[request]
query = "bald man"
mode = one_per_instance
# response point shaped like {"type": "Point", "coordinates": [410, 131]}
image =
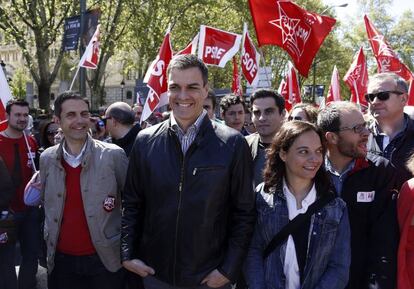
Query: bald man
{"type": "Point", "coordinates": [119, 122]}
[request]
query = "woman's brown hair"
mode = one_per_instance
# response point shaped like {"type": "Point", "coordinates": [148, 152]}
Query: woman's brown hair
{"type": "Point", "coordinates": [275, 169]}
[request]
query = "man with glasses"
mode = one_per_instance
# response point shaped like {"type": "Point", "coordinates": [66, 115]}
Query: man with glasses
{"type": "Point", "coordinates": [82, 180]}
{"type": "Point", "coordinates": [268, 113]}
{"type": "Point", "coordinates": [392, 131]}
{"type": "Point", "coordinates": [368, 185]}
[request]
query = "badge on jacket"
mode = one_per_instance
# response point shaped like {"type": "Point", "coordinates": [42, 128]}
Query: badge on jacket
{"type": "Point", "coordinates": [109, 203]}
{"type": "Point", "coordinates": [365, 197]}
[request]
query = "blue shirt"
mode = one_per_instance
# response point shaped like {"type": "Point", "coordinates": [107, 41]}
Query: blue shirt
{"type": "Point", "coordinates": [336, 177]}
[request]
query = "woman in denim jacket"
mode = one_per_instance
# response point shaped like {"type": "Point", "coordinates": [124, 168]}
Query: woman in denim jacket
{"type": "Point", "coordinates": [317, 254]}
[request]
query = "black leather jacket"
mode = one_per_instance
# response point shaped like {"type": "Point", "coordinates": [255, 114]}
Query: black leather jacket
{"type": "Point", "coordinates": [188, 215]}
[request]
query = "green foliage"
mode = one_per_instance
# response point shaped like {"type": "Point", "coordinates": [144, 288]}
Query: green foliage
{"type": "Point", "coordinates": [18, 83]}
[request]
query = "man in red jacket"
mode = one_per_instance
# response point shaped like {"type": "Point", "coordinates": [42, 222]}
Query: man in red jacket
{"type": "Point", "coordinates": [18, 152]}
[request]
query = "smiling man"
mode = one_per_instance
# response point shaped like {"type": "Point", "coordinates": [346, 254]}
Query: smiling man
{"type": "Point", "coordinates": [268, 110]}
{"type": "Point", "coordinates": [368, 185]}
{"type": "Point", "coordinates": [82, 180]}
{"type": "Point", "coordinates": [188, 200]}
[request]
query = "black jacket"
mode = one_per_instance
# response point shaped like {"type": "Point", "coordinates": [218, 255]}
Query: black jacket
{"type": "Point", "coordinates": [374, 226]}
{"type": "Point", "coordinates": [7, 188]}
{"type": "Point", "coordinates": [189, 215]}
{"type": "Point", "coordinates": [127, 142]}
{"type": "Point", "coordinates": [401, 153]}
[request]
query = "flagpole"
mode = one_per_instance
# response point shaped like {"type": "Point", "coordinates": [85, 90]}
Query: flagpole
{"type": "Point", "coordinates": [264, 64]}
{"type": "Point", "coordinates": [74, 78]}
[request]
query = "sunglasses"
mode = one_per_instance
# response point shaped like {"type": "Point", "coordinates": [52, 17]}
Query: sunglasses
{"type": "Point", "coordinates": [383, 95]}
{"type": "Point", "coordinates": [52, 132]}
{"type": "Point", "coordinates": [295, 118]}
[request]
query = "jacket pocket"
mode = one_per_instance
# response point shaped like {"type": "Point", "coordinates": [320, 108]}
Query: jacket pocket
{"type": "Point", "coordinates": [198, 170]}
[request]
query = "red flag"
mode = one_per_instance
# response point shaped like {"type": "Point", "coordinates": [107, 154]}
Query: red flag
{"type": "Point", "coordinates": [357, 78]}
{"type": "Point", "coordinates": [285, 24]}
{"type": "Point", "coordinates": [216, 46]}
{"type": "Point", "coordinates": [156, 79]}
{"type": "Point", "coordinates": [289, 88]}
{"type": "Point", "coordinates": [5, 96]}
{"type": "Point", "coordinates": [236, 87]}
{"type": "Point", "coordinates": [387, 60]}
{"type": "Point", "coordinates": [190, 48]}
{"type": "Point", "coordinates": [91, 55]}
{"type": "Point", "coordinates": [334, 93]}
{"type": "Point", "coordinates": [250, 59]}
{"type": "Point", "coordinates": [411, 93]}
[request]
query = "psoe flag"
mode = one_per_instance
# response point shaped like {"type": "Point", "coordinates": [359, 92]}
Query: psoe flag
{"type": "Point", "coordinates": [250, 59]}
{"type": "Point", "coordinates": [91, 55]}
{"type": "Point", "coordinates": [5, 96]}
{"type": "Point", "coordinates": [216, 46]}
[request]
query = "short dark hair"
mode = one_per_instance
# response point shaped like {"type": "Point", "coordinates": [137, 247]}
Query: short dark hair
{"type": "Point", "coordinates": [186, 61]}
{"type": "Point", "coordinates": [212, 96]}
{"type": "Point", "coordinates": [66, 96]}
{"type": "Point", "coordinates": [266, 92]}
{"type": "Point", "coordinates": [12, 102]}
{"type": "Point", "coordinates": [229, 100]}
{"type": "Point", "coordinates": [122, 116]}
{"type": "Point", "coordinates": [329, 118]}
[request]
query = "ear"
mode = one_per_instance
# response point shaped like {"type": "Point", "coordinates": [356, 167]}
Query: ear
{"type": "Point", "coordinates": [331, 138]}
{"type": "Point", "coordinates": [404, 98]}
{"type": "Point", "coordinates": [56, 119]}
{"type": "Point", "coordinates": [282, 155]}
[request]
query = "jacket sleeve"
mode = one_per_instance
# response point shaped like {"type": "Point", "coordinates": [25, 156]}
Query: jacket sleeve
{"type": "Point", "coordinates": [132, 207]}
{"type": "Point", "coordinates": [6, 187]}
{"type": "Point", "coordinates": [121, 166]}
{"type": "Point", "coordinates": [337, 272]}
{"type": "Point", "coordinates": [384, 233]}
{"type": "Point", "coordinates": [254, 264]}
{"type": "Point", "coordinates": [242, 213]}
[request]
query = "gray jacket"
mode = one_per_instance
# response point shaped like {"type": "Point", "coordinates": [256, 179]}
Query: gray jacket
{"type": "Point", "coordinates": [104, 167]}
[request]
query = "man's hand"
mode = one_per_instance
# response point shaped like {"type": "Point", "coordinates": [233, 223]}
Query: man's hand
{"type": "Point", "coordinates": [215, 279]}
{"type": "Point", "coordinates": [138, 267]}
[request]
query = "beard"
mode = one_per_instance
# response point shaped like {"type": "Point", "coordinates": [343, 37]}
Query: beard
{"type": "Point", "coordinates": [350, 149]}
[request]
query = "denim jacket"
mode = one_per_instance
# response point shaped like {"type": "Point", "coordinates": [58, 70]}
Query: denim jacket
{"type": "Point", "coordinates": [328, 257]}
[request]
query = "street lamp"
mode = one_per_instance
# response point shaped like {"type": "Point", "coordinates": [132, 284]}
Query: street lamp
{"type": "Point", "coordinates": [122, 89]}
{"type": "Point", "coordinates": [334, 6]}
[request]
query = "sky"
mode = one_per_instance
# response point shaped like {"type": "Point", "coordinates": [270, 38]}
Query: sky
{"type": "Point", "coordinates": [346, 13]}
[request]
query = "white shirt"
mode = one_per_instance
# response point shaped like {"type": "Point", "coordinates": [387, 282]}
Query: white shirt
{"type": "Point", "coordinates": [73, 161]}
{"type": "Point", "coordinates": [291, 267]}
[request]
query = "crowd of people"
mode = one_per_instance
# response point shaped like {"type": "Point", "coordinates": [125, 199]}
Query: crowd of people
{"type": "Point", "coordinates": [256, 197]}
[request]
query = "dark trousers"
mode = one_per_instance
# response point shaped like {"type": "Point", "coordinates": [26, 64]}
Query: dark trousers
{"type": "Point", "coordinates": [8, 278]}
{"type": "Point", "coordinates": [28, 236]}
{"type": "Point", "coordinates": [83, 272]}
{"type": "Point", "coordinates": [151, 282]}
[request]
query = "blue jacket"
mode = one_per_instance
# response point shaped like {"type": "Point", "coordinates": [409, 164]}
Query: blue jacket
{"type": "Point", "coordinates": [328, 259]}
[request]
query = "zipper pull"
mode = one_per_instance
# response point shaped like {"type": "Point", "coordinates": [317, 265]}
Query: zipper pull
{"type": "Point", "coordinates": [180, 186]}
{"type": "Point", "coordinates": [194, 171]}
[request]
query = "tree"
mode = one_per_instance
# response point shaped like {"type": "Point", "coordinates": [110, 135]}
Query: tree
{"type": "Point", "coordinates": [18, 83]}
{"type": "Point", "coordinates": [35, 26]}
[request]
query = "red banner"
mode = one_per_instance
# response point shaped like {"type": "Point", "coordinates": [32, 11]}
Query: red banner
{"type": "Point", "coordinates": [250, 59]}
{"type": "Point", "coordinates": [334, 93]}
{"type": "Point", "coordinates": [285, 24]}
{"type": "Point", "coordinates": [216, 46]}
{"type": "Point", "coordinates": [236, 86]}
{"type": "Point", "coordinates": [357, 78]}
{"type": "Point", "coordinates": [91, 55]}
{"type": "Point", "coordinates": [190, 48]}
{"type": "Point", "coordinates": [156, 79]}
{"type": "Point", "coordinates": [289, 88]}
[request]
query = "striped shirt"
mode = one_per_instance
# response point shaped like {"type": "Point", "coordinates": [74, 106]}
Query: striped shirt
{"type": "Point", "coordinates": [187, 138]}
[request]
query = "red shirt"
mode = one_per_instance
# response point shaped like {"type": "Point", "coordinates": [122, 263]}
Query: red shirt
{"type": "Point", "coordinates": [74, 237]}
{"type": "Point", "coordinates": [7, 153]}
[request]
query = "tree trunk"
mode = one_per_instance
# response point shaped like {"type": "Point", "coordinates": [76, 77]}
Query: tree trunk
{"type": "Point", "coordinates": [44, 95]}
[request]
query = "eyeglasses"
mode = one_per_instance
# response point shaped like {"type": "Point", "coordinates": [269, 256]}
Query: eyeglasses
{"type": "Point", "coordinates": [105, 119]}
{"type": "Point", "coordinates": [383, 95]}
{"type": "Point", "coordinates": [358, 129]}
{"type": "Point", "coordinates": [295, 118]}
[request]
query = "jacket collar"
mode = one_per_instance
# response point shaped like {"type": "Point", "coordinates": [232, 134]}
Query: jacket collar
{"type": "Point", "coordinates": [86, 155]}
{"type": "Point", "coordinates": [130, 136]}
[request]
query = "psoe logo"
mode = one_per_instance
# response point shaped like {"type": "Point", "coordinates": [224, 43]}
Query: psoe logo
{"type": "Point", "coordinates": [295, 32]}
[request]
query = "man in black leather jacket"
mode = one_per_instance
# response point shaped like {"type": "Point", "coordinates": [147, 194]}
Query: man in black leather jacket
{"type": "Point", "coordinates": [188, 200]}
